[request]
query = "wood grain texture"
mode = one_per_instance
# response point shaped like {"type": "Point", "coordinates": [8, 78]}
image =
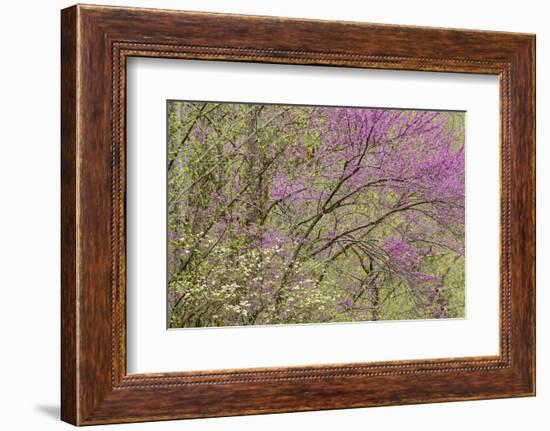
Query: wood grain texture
{"type": "Point", "coordinates": [69, 397]}
{"type": "Point", "coordinates": [96, 41]}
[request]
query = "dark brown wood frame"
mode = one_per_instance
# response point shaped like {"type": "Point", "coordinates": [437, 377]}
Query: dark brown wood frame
{"type": "Point", "coordinates": [95, 43]}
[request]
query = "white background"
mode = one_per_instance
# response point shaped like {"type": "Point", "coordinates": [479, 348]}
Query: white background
{"type": "Point", "coordinates": [151, 348]}
{"type": "Point", "coordinates": [29, 228]}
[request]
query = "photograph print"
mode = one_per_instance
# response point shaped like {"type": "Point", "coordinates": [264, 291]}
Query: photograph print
{"type": "Point", "coordinates": [291, 214]}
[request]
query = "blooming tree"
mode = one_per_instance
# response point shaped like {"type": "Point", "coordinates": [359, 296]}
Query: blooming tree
{"type": "Point", "coordinates": [291, 214]}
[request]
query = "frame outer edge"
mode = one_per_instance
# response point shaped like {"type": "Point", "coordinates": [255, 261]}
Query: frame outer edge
{"type": "Point", "coordinates": [523, 216]}
{"type": "Point", "coordinates": [69, 213]}
{"type": "Point", "coordinates": [532, 82]}
{"type": "Point", "coordinates": [533, 53]}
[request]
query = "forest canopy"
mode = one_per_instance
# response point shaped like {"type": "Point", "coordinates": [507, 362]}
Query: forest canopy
{"type": "Point", "coordinates": [283, 214]}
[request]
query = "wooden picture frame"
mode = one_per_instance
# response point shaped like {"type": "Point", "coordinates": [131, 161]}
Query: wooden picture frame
{"type": "Point", "coordinates": [95, 43]}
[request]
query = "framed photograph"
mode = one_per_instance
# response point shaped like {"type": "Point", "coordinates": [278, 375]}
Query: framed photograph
{"type": "Point", "coordinates": [265, 215]}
